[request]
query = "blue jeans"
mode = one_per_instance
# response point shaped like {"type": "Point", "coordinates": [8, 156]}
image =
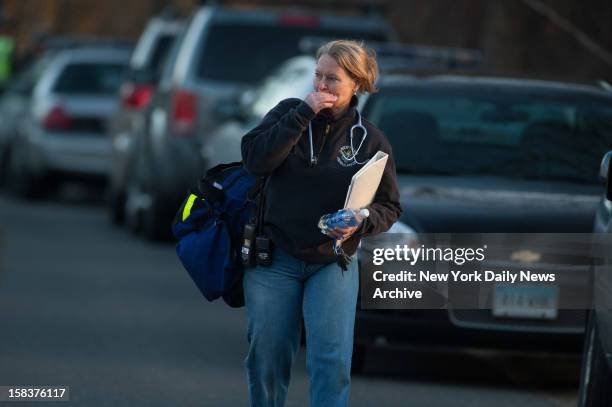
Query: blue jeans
{"type": "Point", "coordinates": [277, 297]}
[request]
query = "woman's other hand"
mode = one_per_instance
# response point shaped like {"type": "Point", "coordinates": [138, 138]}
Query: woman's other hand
{"type": "Point", "coordinates": [342, 234]}
{"type": "Point", "coordinates": [320, 100]}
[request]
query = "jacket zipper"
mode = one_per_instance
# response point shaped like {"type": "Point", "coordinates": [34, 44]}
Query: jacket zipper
{"type": "Point", "coordinates": [327, 127]}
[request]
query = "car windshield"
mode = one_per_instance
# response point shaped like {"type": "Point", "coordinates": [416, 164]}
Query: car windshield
{"type": "Point", "coordinates": [90, 78]}
{"type": "Point", "coordinates": [513, 133]}
{"type": "Point", "coordinates": [257, 49]}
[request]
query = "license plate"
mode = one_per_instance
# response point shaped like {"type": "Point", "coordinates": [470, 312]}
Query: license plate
{"type": "Point", "coordinates": [515, 301]}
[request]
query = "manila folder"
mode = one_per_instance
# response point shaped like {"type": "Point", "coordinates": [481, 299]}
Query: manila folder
{"type": "Point", "coordinates": [365, 182]}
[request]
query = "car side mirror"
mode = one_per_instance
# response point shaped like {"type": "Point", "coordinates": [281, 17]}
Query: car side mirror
{"type": "Point", "coordinates": [604, 174]}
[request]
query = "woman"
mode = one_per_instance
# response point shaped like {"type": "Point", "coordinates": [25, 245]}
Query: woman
{"type": "Point", "coordinates": [308, 179]}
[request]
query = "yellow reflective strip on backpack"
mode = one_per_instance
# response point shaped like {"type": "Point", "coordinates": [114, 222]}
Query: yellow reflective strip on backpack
{"type": "Point", "coordinates": [189, 205]}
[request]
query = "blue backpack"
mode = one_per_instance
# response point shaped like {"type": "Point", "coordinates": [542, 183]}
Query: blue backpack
{"type": "Point", "coordinates": [209, 226]}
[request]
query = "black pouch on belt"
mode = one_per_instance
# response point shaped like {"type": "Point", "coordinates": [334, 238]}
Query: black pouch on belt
{"type": "Point", "coordinates": [247, 251]}
{"type": "Point", "coordinates": [253, 228]}
{"type": "Point", "coordinates": [264, 251]}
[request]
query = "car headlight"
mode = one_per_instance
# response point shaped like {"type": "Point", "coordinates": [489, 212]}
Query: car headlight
{"type": "Point", "coordinates": [401, 227]}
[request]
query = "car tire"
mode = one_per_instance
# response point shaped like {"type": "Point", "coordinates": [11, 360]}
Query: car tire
{"type": "Point", "coordinates": [132, 211]}
{"type": "Point", "coordinates": [21, 182]}
{"type": "Point", "coordinates": [358, 362]}
{"type": "Point", "coordinates": [4, 167]}
{"type": "Point", "coordinates": [116, 207]}
{"type": "Point", "coordinates": [596, 375]}
{"type": "Point", "coordinates": [156, 219]}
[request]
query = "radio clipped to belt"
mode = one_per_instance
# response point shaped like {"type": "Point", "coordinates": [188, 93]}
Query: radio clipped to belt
{"type": "Point", "coordinates": [256, 247]}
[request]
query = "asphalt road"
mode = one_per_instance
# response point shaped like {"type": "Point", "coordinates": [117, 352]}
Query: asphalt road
{"type": "Point", "coordinates": [87, 305]}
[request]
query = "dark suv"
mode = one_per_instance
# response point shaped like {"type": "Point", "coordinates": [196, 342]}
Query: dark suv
{"type": "Point", "coordinates": [491, 155]}
{"type": "Point", "coordinates": [597, 357]}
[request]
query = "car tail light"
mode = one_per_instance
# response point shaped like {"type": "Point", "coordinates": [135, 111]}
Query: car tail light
{"type": "Point", "coordinates": [136, 96]}
{"type": "Point", "coordinates": [298, 20]}
{"type": "Point", "coordinates": [57, 120]}
{"type": "Point", "coordinates": [184, 112]}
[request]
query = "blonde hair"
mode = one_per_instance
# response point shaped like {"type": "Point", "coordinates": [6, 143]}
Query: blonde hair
{"type": "Point", "coordinates": [356, 59]}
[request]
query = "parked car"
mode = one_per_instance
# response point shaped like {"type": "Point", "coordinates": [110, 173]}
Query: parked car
{"type": "Point", "coordinates": [15, 101]}
{"type": "Point", "coordinates": [14, 107]}
{"type": "Point", "coordinates": [135, 94]}
{"type": "Point", "coordinates": [293, 79]}
{"type": "Point", "coordinates": [63, 134]}
{"type": "Point", "coordinates": [485, 155]}
{"type": "Point", "coordinates": [222, 54]}
{"type": "Point", "coordinates": [596, 375]}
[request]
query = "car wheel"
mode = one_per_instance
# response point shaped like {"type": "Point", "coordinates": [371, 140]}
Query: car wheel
{"type": "Point", "coordinates": [358, 362]}
{"type": "Point", "coordinates": [596, 375]}
{"type": "Point", "coordinates": [4, 167]}
{"type": "Point", "coordinates": [116, 207]}
{"type": "Point", "coordinates": [132, 209]}
{"type": "Point", "coordinates": [21, 182]}
{"type": "Point", "coordinates": [156, 219]}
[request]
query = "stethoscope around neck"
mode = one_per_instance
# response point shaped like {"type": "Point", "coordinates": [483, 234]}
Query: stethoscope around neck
{"type": "Point", "coordinates": [358, 126]}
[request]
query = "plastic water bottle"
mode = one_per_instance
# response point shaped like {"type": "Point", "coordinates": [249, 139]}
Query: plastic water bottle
{"type": "Point", "coordinates": [344, 218]}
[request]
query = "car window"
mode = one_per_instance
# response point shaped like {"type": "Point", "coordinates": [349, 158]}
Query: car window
{"type": "Point", "coordinates": [287, 82]}
{"type": "Point", "coordinates": [516, 134]}
{"type": "Point", "coordinates": [168, 63]}
{"type": "Point", "coordinates": [257, 49]}
{"type": "Point", "coordinates": [90, 78]}
{"type": "Point", "coordinates": [160, 52]}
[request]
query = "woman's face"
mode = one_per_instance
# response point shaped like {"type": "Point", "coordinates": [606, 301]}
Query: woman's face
{"type": "Point", "coordinates": [332, 78]}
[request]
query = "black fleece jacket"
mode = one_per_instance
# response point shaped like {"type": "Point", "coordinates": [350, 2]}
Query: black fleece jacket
{"type": "Point", "coordinates": [297, 194]}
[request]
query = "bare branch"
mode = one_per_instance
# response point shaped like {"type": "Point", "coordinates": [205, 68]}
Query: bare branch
{"type": "Point", "coordinates": [574, 31]}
